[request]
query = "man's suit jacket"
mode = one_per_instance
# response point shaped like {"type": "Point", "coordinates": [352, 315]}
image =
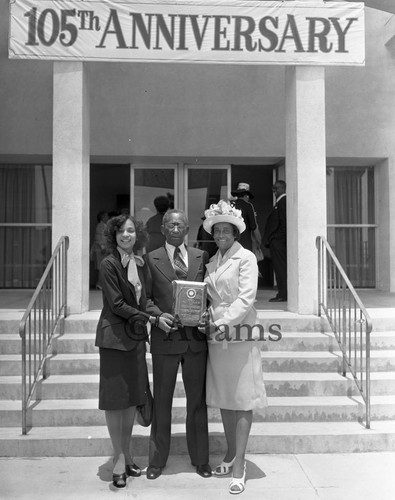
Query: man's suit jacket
{"type": "Point", "coordinates": [248, 214]}
{"type": "Point", "coordinates": [119, 304]}
{"type": "Point", "coordinates": [160, 300]}
{"type": "Point", "coordinates": [232, 291]}
{"type": "Point", "coordinates": [276, 223]}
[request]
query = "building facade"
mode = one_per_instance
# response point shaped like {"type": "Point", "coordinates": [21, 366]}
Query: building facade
{"type": "Point", "coordinates": [78, 137]}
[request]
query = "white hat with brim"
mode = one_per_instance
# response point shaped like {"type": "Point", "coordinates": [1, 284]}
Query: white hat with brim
{"type": "Point", "coordinates": [223, 212]}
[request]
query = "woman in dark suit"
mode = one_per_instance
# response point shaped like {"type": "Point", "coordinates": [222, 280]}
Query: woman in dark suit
{"type": "Point", "coordinates": [120, 336]}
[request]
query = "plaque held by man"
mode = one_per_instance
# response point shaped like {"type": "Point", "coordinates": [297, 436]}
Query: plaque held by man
{"type": "Point", "coordinates": [189, 302]}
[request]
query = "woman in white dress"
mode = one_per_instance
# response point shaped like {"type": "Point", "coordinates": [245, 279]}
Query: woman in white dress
{"type": "Point", "coordinates": [234, 368]}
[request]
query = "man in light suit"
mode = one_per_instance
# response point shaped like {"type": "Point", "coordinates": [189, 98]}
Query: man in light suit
{"type": "Point", "coordinates": [275, 238]}
{"type": "Point", "coordinates": [174, 346]}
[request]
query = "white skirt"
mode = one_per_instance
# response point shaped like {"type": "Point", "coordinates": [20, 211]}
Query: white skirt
{"type": "Point", "coordinates": [234, 376]}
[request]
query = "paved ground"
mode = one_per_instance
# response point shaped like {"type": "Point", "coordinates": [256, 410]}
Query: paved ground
{"type": "Point", "coordinates": [358, 476]}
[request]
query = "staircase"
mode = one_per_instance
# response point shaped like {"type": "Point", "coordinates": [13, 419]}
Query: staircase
{"type": "Point", "coordinates": [312, 408]}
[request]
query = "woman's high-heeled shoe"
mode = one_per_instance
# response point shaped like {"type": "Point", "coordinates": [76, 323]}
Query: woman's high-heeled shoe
{"type": "Point", "coordinates": [237, 485]}
{"type": "Point", "coordinates": [133, 470]}
{"type": "Point", "coordinates": [224, 468]}
{"type": "Point", "coordinates": [119, 480]}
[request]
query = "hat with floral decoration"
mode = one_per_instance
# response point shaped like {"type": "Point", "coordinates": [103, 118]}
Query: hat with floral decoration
{"type": "Point", "coordinates": [223, 212]}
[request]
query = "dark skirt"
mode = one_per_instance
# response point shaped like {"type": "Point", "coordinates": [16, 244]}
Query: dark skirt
{"type": "Point", "coordinates": [123, 378]}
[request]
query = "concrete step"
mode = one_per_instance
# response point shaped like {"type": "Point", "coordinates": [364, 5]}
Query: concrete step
{"type": "Point", "coordinates": [78, 412]}
{"type": "Point", "coordinates": [278, 384]}
{"type": "Point", "coordinates": [84, 342]}
{"type": "Point", "coordinates": [265, 437]}
{"type": "Point", "coordinates": [77, 342]}
{"type": "Point", "coordinates": [320, 361]}
{"type": "Point", "coordinates": [383, 320]}
{"type": "Point", "coordinates": [290, 341]}
{"type": "Point", "coordinates": [287, 321]}
{"type": "Point", "coordinates": [276, 361]}
{"type": "Point", "coordinates": [9, 321]}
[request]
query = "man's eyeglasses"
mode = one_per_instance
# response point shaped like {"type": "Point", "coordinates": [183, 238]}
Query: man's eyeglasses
{"type": "Point", "coordinates": [172, 226]}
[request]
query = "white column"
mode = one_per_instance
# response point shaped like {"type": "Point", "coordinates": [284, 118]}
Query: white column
{"type": "Point", "coordinates": [306, 182]}
{"type": "Point", "coordinates": [385, 235]}
{"type": "Point", "coordinates": [70, 213]}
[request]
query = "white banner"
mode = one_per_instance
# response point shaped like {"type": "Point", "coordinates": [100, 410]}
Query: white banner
{"type": "Point", "coordinates": [229, 32]}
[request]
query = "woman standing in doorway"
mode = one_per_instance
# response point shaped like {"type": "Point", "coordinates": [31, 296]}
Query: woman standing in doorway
{"type": "Point", "coordinates": [234, 368]}
{"type": "Point", "coordinates": [98, 250]}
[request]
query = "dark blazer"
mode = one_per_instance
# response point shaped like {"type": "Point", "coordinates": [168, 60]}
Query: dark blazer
{"type": "Point", "coordinates": [120, 305]}
{"type": "Point", "coordinates": [248, 214]}
{"type": "Point", "coordinates": [276, 223]}
{"type": "Point", "coordinates": [160, 299]}
{"type": "Point", "coordinates": [156, 238]}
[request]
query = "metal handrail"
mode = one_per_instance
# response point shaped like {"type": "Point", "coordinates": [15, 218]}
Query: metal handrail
{"type": "Point", "coordinates": [349, 320]}
{"type": "Point", "coordinates": [47, 308]}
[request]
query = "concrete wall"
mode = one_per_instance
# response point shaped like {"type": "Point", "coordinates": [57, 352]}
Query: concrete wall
{"type": "Point", "coordinates": [200, 110]}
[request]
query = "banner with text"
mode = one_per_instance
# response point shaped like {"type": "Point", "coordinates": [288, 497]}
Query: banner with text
{"type": "Point", "coordinates": [228, 32]}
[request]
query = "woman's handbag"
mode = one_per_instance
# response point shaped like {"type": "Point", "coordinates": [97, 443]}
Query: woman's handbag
{"type": "Point", "coordinates": [145, 411]}
{"type": "Point", "coordinates": [256, 244]}
{"type": "Point", "coordinates": [258, 254]}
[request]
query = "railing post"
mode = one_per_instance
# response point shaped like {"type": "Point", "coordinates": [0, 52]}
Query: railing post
{"type": "Point", "coordinates": [344, 328]}
{"type": "Point", "coordinates": [320, 274]}
{"type": "Point", "coordinates": [22, 332]}
{"type": "Point", "coordinates": [367, 368]}
{"type": "Point", "coordinates": [45, 328]}
{"type": "Point", "coordinates": [64, 291]}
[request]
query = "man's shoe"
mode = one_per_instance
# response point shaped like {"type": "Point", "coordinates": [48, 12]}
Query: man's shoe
{"type": "Point", "coordinates": [277, 299]}
{"type": "Point", "coordinates": [153, 472]}
{"type": "Point", "coordinates": [204, 470]}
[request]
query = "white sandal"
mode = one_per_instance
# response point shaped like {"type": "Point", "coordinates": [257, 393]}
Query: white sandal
{"type": "Point", "coordinates": [238, 482]}
{"type": "Point", "coordinates": [223, 468]}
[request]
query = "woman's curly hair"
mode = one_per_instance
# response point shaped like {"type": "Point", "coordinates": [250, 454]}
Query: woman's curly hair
{"type": "Point", "coordinates": [115, 224]}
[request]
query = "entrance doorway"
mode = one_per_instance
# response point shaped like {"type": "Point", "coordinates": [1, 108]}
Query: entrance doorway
{"type": "Point", "coordinates": [109, 192]}
{"type": "Point", "coordinates": [189, 187]}
{"type": "Point", "coordinates": [261, 179]}
{"type": "Point", "coordinates": [116, 188]}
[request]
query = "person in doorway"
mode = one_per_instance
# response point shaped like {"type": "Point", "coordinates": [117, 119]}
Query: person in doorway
{"type": "Point", "coordinates": [244, 195]}
{"type": "Point", "coordinates": [234, 369]}
{"type": "Point", "coordinates": [98, 249]}
{"type": "Point", "coordinates": [175, 346]}
{"type": "Point", "coordinates": [120, 335]}
{"type": "Point", "coordinates": [154, 224]}
{"type": "Point", "coordinates": [275, 239]}
{"type": "Point", "coordinates": [205, 241]}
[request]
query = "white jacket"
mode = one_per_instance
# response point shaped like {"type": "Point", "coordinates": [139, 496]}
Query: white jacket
{"type": "Point", "coordinates": [232, 291]}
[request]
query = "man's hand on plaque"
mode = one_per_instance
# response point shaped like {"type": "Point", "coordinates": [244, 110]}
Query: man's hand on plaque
{"type": "Point", "coordinates": [166, 323]}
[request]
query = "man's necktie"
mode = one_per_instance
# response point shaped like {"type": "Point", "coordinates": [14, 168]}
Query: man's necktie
{"type": "Point", "coordinates": [133, 276]}
{"type": "Point", "coordinates": [179, 265]}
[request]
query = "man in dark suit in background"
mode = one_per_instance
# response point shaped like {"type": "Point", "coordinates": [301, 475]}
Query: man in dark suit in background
{"type": "Point", "coordinates": [242, 203]}
{"type": "Point", "coordinates": [154, 224]}
{"type": "Point", "coordinates": [275, 238]}
{"type": "Point", "coordinates": [174, 346]}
